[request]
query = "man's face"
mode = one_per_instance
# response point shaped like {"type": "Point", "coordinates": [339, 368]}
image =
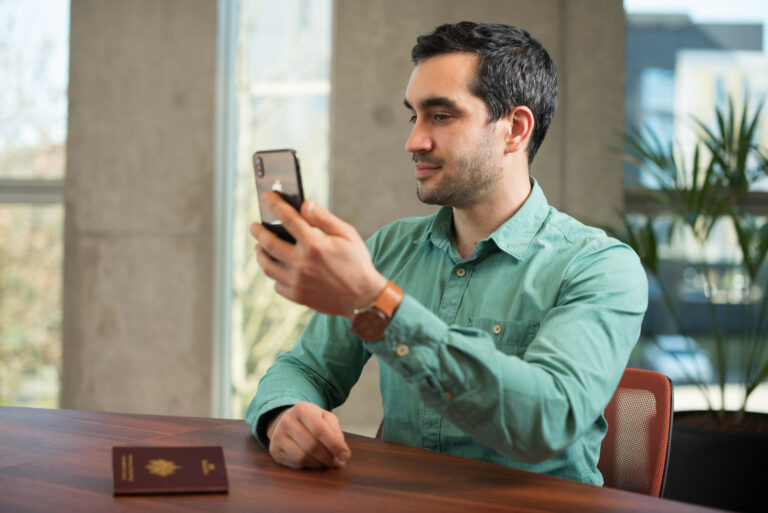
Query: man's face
{"type": "Point", "coordinates": [457, 155]}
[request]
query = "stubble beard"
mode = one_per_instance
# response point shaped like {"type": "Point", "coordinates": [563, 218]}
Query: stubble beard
{"type": "Point", "coordinates": [474, 176]}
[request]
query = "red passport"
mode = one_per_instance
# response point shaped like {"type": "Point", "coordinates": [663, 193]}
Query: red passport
{"type": "Point", "coordinates": [149, 470]}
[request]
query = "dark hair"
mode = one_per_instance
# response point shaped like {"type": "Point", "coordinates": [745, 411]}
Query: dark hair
{"type": "Point", "coordinates": [514, 69]}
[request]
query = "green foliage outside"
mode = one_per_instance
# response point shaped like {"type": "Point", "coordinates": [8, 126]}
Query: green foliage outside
{"type": "Point", "coordinates": [33, 120]}
{"type": "Point", "coordinates": [30, 304]}
{"type": "Point", "coordinates": [698, 191]}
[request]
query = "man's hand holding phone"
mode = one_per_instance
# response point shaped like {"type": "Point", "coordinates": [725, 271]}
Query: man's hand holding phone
{"type": "Point", "coordinates": [328, 269]}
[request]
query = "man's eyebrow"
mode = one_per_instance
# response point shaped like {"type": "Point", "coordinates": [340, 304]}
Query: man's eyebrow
{"type": "Point", "coordinates": [434, 101]}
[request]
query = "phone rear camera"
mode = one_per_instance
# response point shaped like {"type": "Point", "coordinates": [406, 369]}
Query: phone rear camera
{"type": "Point", "coordinates": [258, 167]}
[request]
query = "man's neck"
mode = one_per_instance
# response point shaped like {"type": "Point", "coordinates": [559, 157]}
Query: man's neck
{"type": "Point", "coordinates": [473, 223]}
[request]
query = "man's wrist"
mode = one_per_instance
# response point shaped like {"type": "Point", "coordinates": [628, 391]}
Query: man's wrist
{"type": "Point", "coordinates": [271, 418]}
{"type": "Point", "coordinates": [370, 323]}
{"type": "Point", "coordinates": [369, 295]}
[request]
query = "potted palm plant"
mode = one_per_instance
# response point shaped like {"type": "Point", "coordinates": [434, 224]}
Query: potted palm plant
{"type": "Point", "coordinates": [718, 457]}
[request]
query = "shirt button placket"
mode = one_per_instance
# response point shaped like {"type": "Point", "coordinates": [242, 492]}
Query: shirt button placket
{"type": "Point", "coordinates": [454, 289]}
{"type": "Point", "coordinates": [431, 422]}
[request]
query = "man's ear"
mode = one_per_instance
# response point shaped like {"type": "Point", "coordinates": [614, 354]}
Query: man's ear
{"type": "Point", "coordinates": [520, 123]}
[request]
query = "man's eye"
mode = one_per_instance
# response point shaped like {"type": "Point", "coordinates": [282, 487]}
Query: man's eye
{"type": "Point", "coordinates": [412, 120]}
{"type": "Point", "coordinates": [441, 118]}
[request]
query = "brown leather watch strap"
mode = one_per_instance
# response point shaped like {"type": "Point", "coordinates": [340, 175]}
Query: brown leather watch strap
{"type": "Point", "coordinates": [389, 299]}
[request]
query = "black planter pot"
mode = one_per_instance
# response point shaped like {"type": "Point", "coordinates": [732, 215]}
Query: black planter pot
{"type": "Point", "coordinates": [723, 469]}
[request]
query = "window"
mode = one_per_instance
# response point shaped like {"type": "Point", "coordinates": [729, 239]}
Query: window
{"type": "Point", "coordinates": [684, 59]}
{"type": "Point", "coordinates": [34, 58]}
{"type": "Point", "coordinates": [283, 87]}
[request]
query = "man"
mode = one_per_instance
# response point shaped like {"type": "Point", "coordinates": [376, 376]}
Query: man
{"type": "Point", "coordinates": [502, 325]}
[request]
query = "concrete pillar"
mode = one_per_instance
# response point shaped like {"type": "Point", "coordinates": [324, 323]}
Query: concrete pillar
{"type": "Point", "coordinates": [591, 114]}
{"type": "Point", "coordinates": [137, 280]}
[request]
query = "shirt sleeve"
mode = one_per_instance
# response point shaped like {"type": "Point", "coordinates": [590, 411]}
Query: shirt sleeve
{"type": "Point", "coordinates": [530, 407]}
{"type": "Point", "coordinates": [322, 367]}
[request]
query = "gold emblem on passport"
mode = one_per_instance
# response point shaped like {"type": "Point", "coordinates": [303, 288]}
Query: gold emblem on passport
{"type": "Point", "coordinates": [208, 467]}
{"type": "Point", "coordinates": [161, 467]}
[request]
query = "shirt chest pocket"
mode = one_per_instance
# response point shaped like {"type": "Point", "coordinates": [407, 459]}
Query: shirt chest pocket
{"type": "Point", "coordinates": [511, 337]}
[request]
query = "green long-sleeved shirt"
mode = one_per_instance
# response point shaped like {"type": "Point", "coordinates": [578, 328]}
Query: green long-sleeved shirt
{"type": "Point", "coordinates": [508, 356]}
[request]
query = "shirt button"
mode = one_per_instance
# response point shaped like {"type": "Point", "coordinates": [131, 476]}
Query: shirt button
{"type": "Point", "coordinates": [448, 395]}
{"type": "Point", "coordinates": [402, 350]}
{"type": "Point", "coordinates": [461, 272]}
{"type": "Point", "coordinates": [497, 328]}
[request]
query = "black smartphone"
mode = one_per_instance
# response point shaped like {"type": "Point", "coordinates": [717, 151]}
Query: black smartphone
{"type": "Point", "coordinates": [278, 170]}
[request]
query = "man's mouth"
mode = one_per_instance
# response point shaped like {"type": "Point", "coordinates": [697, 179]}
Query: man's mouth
{"type": "Point", "coordinates": [424, 166]}
{"type": "Point", "coordinates": [424, 170]}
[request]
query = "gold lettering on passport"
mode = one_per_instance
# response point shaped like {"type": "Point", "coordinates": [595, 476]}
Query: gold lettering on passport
{"type": "Point", "coordinates": [124, 467]}
{"type": "Point", "coordinates": [161, 467]}
{"type": "Point", "coordinates": [207, 466]}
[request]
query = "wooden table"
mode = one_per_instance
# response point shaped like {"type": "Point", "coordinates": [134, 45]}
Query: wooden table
{"type": "Point", "coordinates": [59, 460]}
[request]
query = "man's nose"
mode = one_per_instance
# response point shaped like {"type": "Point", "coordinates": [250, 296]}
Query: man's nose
{"type": "Point", "coordinates": [420, 139]}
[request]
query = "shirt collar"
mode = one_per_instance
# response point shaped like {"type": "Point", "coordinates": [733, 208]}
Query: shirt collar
{"type": "Point", "coordinates": [513, 237]}
{"type": "Point", "coordinates": [440, 232]}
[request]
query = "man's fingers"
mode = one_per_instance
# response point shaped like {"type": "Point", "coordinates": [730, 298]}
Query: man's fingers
{"type": "Point", "coordinates": [305, 435]}
{"type": "Point", "coordinates": [275, 247]}
{"type": "Point", "coordinates": [325, 428]}
{"type": "Point", "coordinates": [344, 452]}
{"type": "Point", "coordinates": [286, 292]}
{"type": "Point", "coordinates": [333, 422]}
{"type": "Point", "coordinates": [289, 454]}
{"type": "Point", "coordinates": [323, 219]}
{"type": "Point", "coordinates": [312, 446]}
{"type": "Point", "coordinates": [292, 220]}
{"type": "Point", "coordinates": [272, 267]}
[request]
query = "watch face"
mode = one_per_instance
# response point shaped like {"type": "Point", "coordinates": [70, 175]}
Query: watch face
{"type": "Point", "coordinates": [370, 324]}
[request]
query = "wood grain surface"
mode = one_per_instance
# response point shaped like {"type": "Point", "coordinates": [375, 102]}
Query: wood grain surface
{"type": "Point", "coordinates": [60, 460]}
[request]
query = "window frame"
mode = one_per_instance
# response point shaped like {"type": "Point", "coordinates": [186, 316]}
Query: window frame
{"type": "Point", "coordinates": [31, 191]}
{"type": "Point", "coordinates": [225, 155]}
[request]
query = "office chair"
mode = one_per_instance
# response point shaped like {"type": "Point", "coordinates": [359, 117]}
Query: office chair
{"type": "Point", "coordinates": [635, 450]}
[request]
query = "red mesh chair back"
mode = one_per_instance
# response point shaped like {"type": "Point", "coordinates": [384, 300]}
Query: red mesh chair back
{"type": "Point", "coordinates": [634, 452]}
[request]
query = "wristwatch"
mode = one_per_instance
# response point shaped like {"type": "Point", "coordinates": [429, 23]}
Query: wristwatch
{"type": "Point", "coordinates": [369, 323]}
